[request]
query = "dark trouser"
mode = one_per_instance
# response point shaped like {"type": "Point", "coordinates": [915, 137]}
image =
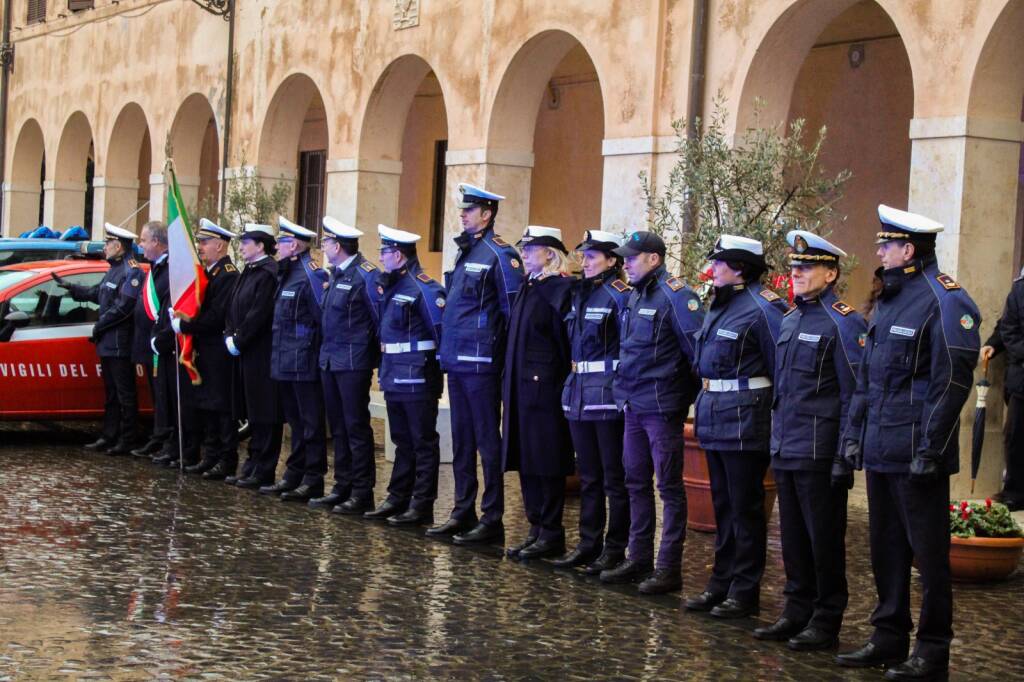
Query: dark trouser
{"type": "Point", "coordinates": [737, 493]}
{"type": "Point", "coordinates": [177, 403]}
{"type": "Point", "coordinates": [1013, 482]}
{"type": "Point", "coordinates": [303, 405]}
{"type": "Point", "coordinates": [120, 405]}
{"type": "Point", "coordinates": [475, 401]}
{"type": "Point", "coordinates": [161, 427]}
{"type": "Point", "coordinates": [598, 447]}
{"type": "Point", "coordinates": [413, 425]}
{"type": "Point", "coordinates": [220, 437]}
{"type": "Point", "coordinates": [653, 444]}
{"type": "Point", "coordinates": [907, 520]}
{"type": "Point", "coordinates": [812, 516]}
{"type": "Point", "coordinates": [263, 452]}
{"type": "Point", "coordinates": [347, 403]}
{"type": "Point", "coordinates": [543, 502]}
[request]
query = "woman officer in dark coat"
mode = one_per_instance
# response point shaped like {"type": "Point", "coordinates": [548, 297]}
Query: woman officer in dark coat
{"type": "Point", "coordinates": [536, 440]}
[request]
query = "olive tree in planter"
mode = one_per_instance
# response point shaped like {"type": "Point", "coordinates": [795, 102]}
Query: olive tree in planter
{"type": "Point", "coordinates": [766, 183]}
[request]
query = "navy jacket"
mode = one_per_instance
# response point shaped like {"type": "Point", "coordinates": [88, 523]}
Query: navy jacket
{"type": "Point", "coordinates": [142, 351]}
{"type": "Point", "coordinates": [657, 351]}
{"type": "Point", "coordinates": [481, 288]}
{"type": "Point", "coordinates": [297, 313]}
{"type": "Point", "coordinates": [349, 321]}
{"type": "Point", "coordinates": [410, 308]}
{"type": "Point", "coordinates": [1008, 337]}
{"type": "Point", "coordinates": [917, 372]}
{"type": "Point", "coordinates": [593, 322]}
{"type": "Point", "coordinates": [816, 365]}
{"type": "Point", "coordinates": [737, 342]}
{"type": "Point", "coordinates": [116, 295]}
{"type": "Point", "coordinates": [214, 363]}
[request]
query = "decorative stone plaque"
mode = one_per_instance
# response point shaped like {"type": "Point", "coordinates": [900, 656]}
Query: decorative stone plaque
{"type": "Point", "coordinates": [407, 14]}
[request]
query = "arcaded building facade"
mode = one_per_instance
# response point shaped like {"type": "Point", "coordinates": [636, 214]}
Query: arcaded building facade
{"type": "Point", "coordinates": [374, 110]}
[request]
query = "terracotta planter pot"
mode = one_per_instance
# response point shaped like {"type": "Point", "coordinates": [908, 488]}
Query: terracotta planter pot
{"type": "Point", "coordinates": [700, 513]}
{"type": "Point", "coordinates": [978, 560]}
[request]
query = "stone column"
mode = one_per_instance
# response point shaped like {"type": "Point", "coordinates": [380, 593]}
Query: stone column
{"type": "Point", "coordinates": [268, 177]}
{"type": "Point", "coordinates": [114, 201]}
{"type": "Point", "coordinates": [964, 174]}
{"type": "Point", "coordinates": [21, 208]}
{"type": "Point", "coordinates": [64, 206]}
{"type": "Point", "coordinates": [364, 193]}
{"type": "Point", "coordinates": [623, 208]}
{"type": "Point", "coordinates": [157, 209]}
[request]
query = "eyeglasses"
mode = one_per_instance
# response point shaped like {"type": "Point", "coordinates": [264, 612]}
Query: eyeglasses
{"type": "Point", "coordinates": [387, 250]}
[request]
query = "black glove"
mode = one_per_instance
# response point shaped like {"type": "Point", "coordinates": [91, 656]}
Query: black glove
{"type": "Point", "coordinates": [852, 455]}
{"type": "Point", "coordinates": [925, 466]}
{"type": "Point", "coordinates": [59, 280]}
{"type": "Point", "coordinates": [842, 474]}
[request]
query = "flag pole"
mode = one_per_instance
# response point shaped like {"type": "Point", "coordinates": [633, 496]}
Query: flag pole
{"type": "Point", "coordinates": [177, 387]}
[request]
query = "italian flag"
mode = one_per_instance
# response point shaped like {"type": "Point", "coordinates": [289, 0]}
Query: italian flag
{"type": "Point", "coordinates": [186, 275]}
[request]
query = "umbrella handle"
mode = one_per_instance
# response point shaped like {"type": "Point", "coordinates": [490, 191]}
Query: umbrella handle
{"type": "Point", "coordinates": [984, 366]}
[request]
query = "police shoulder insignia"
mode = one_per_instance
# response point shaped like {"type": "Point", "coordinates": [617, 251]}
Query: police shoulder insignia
{"type": "Point", "coordinates": [439, 301]}
{"type": "Point", "coordinates": [515, 263]}
{"type": "Point", "coordinates": [313, 265]}
{"type": "Point", "coordinates": [620, 286]}
{"type": "Point", "coordinates": [368, 266]}
{"type": "Point", "coordinates": [135, 281]}
{"type": "Point", "coordinates": [862, 339]}
{"type": "Point", "coordinates": [769, 295]}
{"type": "Point", "coordinates": [842, 307]}
{"type": "Point", "coordinates": [674, 283]}
{"type": "Point", "coordinates": [947, 282]}
{"type": "Point", "coordinates": [692, 304]}
{"type": "Point", "coordinates": [132, 263]}
{"type": "Point", "coordinates": [228, 267]}
{"type": "Point", "coordinates": [424, 277]}
{"type": "Point", "coordinates": [498, 241]}
{"type": "Point", "coordinates": [967, 322]}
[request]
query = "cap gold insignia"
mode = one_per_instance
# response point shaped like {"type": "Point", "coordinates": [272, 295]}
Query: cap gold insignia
{"type": "Point", "coordinates": [800, 244]}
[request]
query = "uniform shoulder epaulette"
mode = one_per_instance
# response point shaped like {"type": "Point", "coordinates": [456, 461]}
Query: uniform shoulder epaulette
{"type": "Point", "coordinates": [132, 263]}
{"type": "Point", "coordinates": [368, 266]}
{"type": "Point", "coordinates": [424, 277]}
{"type": "Point", "coordinates": [498, 241]}
{"type": "Point", "coordinates": [620, 286]}
{"type": "Point", "coordinates": [947, 282]}
{"type": "Point", "coordinates": [228, 267]}
{"type": "Point", "coordinates": [313, 265]}
{"type": "Point", "coordinates": [674, 283]}
{"type": "Point", "coordinates": [769, 295]}
{"type": "Point", "coordinates": [842, 307]}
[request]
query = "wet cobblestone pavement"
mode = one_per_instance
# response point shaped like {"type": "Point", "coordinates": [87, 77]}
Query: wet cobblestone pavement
{"type": "Point", "coordinates": [113, 568]}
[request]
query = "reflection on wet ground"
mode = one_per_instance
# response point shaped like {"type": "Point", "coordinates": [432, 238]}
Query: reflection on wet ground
{"type": "Point", "coordinates": [112, 568]}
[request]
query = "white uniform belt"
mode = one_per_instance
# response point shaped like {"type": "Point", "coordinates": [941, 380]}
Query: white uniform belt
{"type": "Point", "coordinates": [593, 366]}
{"type": "Point", "coordinates": [741, 384]}
{"type": "Point", "coordinates": [390, 348]}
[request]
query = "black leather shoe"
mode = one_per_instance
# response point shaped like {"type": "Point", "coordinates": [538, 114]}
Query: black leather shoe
{"type": "Point", "coordinates": [513, 552]}
{"type": "Point", "coordinates": [119, 448]}
{"type": "Point", "coordinates": [250, 483]}
{"type": "Point", "coordinates": [304, 493]}
{"type": "Point", "coordinates": [149, 449]}
{"type": "Point", "coordinates": [870, 656]}
{"type": "Point", "coordinates": [386, 510]}
{"type": "Point", "coordinates": [734, 608]}
{"type": "Point", "coordinates": [220, 472]}
{"type": "Point", "coordinates": [628, 571]}
{"type": "Point", "coordinates": [542, 549]}
{"type": "Point", "coordinates": [917, 668]}
{"type": "Point", "coordinates": [412, 517]}
{"type": "Point", "coordinates": [99, 444]}
{"type": "Point", "coordinates": [163, 458]}
{"type": "Point", "coordinates": [813, 638]}
{"type": "Point", "coordinates": [201, 468]}
{"type": "Point", "coordinates": [230, 480]}
{"type": "Point", "coordinates": [705, 601]}
{"type": "Point", "coordinates": [605, 562]}
{"type": "Point", "coordinates": [779, 631]}
{"type": "Point", "coordinates": [664, 580]}
{"type": "Point", "coordinates": [281, 486]}
{"type": "Point", "coordinates": [450, 527]}
{"type": "Point", "coordinates": [481, 533]}
{"type": "Point", "coordinates": [353, 506]}
{"type": "Point", "coordinates": [576, 557]}
{"type": "Point", "coordinates": [327, 501]}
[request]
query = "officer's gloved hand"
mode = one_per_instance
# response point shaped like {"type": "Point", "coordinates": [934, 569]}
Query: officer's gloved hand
{"type": "Point", "coordinates": [925, 466]}
{"type": "Point", "coordinates": [229, 343]}
{"type": "Point", "coordinates": [852, 454]}
{"type": "Point", "coordinates": [59, 280]}
{"type": "Point", "coordinates": [842, 474]}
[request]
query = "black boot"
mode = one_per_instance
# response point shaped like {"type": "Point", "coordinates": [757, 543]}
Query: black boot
{"type": "Point", "coordinates": [629, 571]}
{"type": "Point", "coordinates": [779, 631]}
{"type": "Point", "coordinates": [608, 560]}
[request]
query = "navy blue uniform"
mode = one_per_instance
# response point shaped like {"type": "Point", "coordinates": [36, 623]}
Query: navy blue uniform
{"type": "Point", "coordinates": [817, 357]}
{"type": "Point", "coordinates": [919, 358]}
{"type": "Point", "coordinates": [410, 308]}
{"type": "Point", "coordinates": [1008, 337]}
{"type": "Point", "coordinates": [736, 351]}
{"type": "Point", "coordinates": [655, 385]}
{"type": "Point", "coordinates": [116, 294]}
{"type": "Point", "coordinates": [595, 421]}
{"type": "Point", "coordinates": [481, 288]}
{"type": "Point", "coordinates": [349, 352]}
{"type": "Point", "coordinates": [293, 363]}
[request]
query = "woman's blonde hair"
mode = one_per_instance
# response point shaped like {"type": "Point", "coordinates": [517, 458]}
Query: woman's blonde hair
{"type": "Point", "coordinates": [557, 263]}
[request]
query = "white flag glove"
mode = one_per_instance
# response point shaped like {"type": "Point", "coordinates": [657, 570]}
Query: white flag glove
{"type": "Point", "coordinates": [229, 341]}
{"type": "Point", "coordinates": [176, 324]}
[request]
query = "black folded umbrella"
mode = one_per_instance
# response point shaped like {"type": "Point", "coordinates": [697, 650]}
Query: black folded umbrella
{"type": "Point", "coordinates": [978, 434]}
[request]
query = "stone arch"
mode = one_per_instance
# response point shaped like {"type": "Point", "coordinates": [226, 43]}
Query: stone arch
{"type": "Point", "coordinates": [125, 185]}
{"type": "Point", "coordinates": [23, 203]}
{"type": "Point", "coordinates": [997, 83]}
{"type": "Point", "coordinates": [195, 147]}
{"type": "Point", "coordinates": [384, 121]}
{"type": "Point", "coordinates": [68, 188]}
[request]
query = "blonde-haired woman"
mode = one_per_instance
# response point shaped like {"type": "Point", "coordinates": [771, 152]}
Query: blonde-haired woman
{"type": "Point", "coordinates": [535, 434]}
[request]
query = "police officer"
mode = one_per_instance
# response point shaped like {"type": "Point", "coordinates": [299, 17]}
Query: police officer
{"type": "Point", "coordinates": [410, 305]}
{"type": "Point", "coordinates": [654, 385]}
{"type": "Point", "coordinates": [294, 363]}
{"type": "Point", "coordinates": [213, 362]}
{"type": "Point", "coordinates": [736, 361]}
{"type": "Point", "coordinates": [537, 441]}
{"type": "Point", "coordinates": [248, 337]}
{"type": "Point", "coordinates": [815, 374]}
{"type": "Point", "coordinates": [116, 294]}
{"type": "Point", "coordinates": [595, 421]}
{"type": "Point", "coordinates": [919, 358]}
{"type": "Point", "coordinates": [349, 353]}
{"type": "Point", "coordinates": [481, 287]}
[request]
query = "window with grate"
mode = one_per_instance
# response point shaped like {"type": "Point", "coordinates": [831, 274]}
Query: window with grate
{"type": "Point", "coordinates": [437, 200]}
{"type": "Point", "coordinates": [79, 5]}
{"type": "Point", "coordinates": [312, 174]}
{"type": "Point", "coordinates": [36, 11]}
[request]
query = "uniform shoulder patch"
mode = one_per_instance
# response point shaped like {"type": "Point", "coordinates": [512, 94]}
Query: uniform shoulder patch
{"type": "Point", "coordinates": [368, 266]}
{"type": "Point", "coordinates": [228, 267]}
{"type": "Point", "coordinates": [674, 283]}
{"type": "Point", "coordinates": [313, 265]}
{"type": "Point", "coordinates": [498, 241]}
{"type": "Point", "coordinates": [620, 286]}
{"type": "Point", "coordinates": [424, 277]}
{"type": "Point", "coordinates": [842, 307]}
{"type": "Point", "coordinates": [947, 282]}
{"type": "Point", "coordinates": [132, 263]}
{"type": "Point", "coordinates": [769, 295]}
